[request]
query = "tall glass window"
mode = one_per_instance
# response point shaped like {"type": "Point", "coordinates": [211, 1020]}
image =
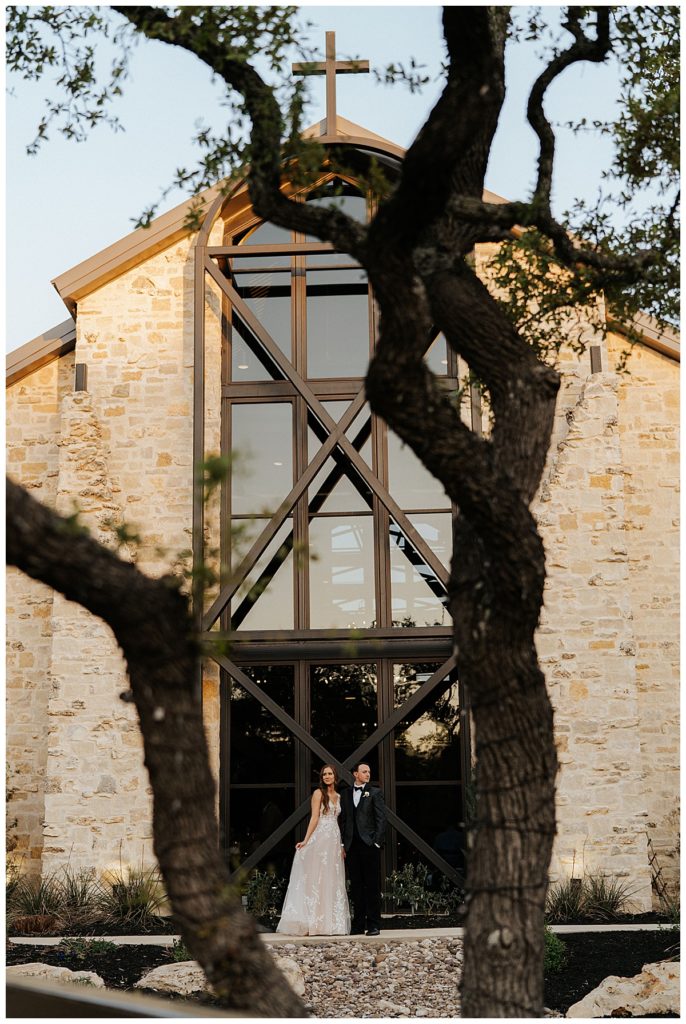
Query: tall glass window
{"type": "Point", "coordinates": [337, 323]}
{"type": "Point", "coordinates": [342, 572]}
{"type": "Point", "coordinates": [340, 578]}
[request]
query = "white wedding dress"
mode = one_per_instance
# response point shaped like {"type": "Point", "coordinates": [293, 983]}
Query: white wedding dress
{"type": "Point", "coordinates": [316, 902]}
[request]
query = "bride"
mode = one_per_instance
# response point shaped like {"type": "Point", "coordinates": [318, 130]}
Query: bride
{"type": "Point", "coordinates": [316, 902]}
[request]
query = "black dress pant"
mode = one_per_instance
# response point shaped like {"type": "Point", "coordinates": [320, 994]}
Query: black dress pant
{"type": "Point", "coordinates": [364, 871]}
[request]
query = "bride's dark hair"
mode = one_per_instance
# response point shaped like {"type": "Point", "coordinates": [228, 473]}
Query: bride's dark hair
{"type": "Point", "coordinates": [324, 788]}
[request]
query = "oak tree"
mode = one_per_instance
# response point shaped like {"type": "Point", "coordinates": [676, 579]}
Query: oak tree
{"type": "Point", "coordinates": [418, 254]}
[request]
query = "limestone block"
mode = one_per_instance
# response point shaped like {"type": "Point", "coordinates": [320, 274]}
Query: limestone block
{"type": "Point", "coordinates": [59, 974]}
{"type": "Point", "coordinates": [182, 978]}
{"type": "Point", "coordinates": [292, 972]}
{"type": "Point", "coordinates": [653, 992]}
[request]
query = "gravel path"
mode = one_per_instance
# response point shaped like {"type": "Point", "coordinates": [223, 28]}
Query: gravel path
{"type": "Point", "coordinates": [380, 979]}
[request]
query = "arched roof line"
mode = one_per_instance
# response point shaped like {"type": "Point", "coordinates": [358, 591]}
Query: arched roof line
{"type": "Point", "coordinates": [359, 142]}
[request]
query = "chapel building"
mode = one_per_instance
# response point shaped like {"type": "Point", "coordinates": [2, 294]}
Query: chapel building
{"type": "Point", "coordinates": [331, 545]}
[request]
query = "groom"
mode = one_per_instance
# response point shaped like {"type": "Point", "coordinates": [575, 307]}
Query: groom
{"type": "Point", "coordinates": [363, 823]}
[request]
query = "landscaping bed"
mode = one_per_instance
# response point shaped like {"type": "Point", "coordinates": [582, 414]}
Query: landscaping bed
{"type": "Point", "coordinates": [591, 956]}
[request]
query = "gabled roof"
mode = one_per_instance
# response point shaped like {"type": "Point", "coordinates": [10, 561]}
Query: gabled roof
{"type": "Point", "coordinates": [34, 354]}
{"type": "Point", "coordinates": [142, 243]}
{"type": "Point", "coordinates": [169, 227]}
{"type": "Point", "coordinates": [663, 339]}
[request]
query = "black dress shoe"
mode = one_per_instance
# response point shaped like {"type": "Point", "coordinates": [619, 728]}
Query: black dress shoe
{"type": "Point", "coordinates": [357, 931]}
{"type": "Point", "coordinates": [373, 931]}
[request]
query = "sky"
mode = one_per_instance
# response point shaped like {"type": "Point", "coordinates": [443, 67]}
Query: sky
{"type": "Point", "coordinates": [73, 199]}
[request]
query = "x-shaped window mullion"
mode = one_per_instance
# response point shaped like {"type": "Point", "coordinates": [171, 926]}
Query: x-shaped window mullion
{"type": "Point", "coordinates": [419, 695]}
{"type": "Point", "coordinates": [291, 374]}
{"type": "Point", "coordinates": [297, 816]}
{"type": "Point", "coordinates": [281, 513]}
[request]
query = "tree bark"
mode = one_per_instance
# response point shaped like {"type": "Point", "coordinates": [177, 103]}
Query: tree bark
{"type": "Point", "coordinates": [498, 566]}
{"type": "Point", "coordinates": [150, 620]}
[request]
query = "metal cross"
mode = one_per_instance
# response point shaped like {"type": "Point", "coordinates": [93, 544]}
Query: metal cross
{"type": "Point", "coordinates": [331, 67]}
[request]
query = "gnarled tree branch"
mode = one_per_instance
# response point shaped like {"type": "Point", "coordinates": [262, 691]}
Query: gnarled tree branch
{"type": "Point", "coordinates": [151, 622]}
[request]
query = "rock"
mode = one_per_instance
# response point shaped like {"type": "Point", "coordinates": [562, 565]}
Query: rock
{"type": "Point", "coordinates": [652, 992]}
{"type": "Point", "coordinates": [392, 979]}
{"type": "Point", "coordinates": [291, 970]}
{"type": "Point", "coordinates": [61, 974]}
{"type": "Point", "coordinates": [386, 1004]}
{"type": "Point", "coordinates": [182, 978]}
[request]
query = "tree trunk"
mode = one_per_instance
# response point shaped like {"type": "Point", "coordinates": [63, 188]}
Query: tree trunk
{"type": "Point", "coordinates": [516, 764]}
{"type": "Point", "coordinates": [151, 622]}
{"type": "Point", "coordinates": [496, 593]}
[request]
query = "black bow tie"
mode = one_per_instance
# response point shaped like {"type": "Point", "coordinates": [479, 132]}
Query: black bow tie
{"type": "Point", "coordinates": [358, 789]}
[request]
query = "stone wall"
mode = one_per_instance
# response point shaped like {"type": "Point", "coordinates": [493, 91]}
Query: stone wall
{"type": "Point", "coordinates": [33, 433]}
{"type": "Point", "coordinates": [587, 646]}
{"type": "Point", "coordinates": [96, 805]}
{"type": "Point", "coordinates": [649, 437]}
{"type": "Point", "coordinates": [121, 452]}
{"type": "Point", "coordinates": [608, 512]}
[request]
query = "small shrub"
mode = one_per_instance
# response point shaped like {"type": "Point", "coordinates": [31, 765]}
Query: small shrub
{"type": "Point", "coordinates": [591, 898]}
{"type": "Point", "coordinates": [34, 924]}
{"type": "Point", "coordinates": [133, 897]}
{"type": "Point", "coordinates": [85, 949]}
{"type": "Point", "coordinates": [37, 897]}
{"type": "Point", "coordinates": [408, 887]}
{"type": "Point", "coordinates": [555, 956]}
{"type": "Point", "coordinates": [264, 894]}
{"type": "Point", "coordinates": [606, 897]}
{"type": "Point", "coordinates": [81, 899]}
{"type": "Point", "coordinates": [413, 886]}
{"type": "Point", "coordinates": [13, 879]}
{"type": "Point", "coordinates": [565, 901]}
{"type": "Point", "coordinates": [671, 908]}
{"type": "Point", "coordinates": [179, 952]}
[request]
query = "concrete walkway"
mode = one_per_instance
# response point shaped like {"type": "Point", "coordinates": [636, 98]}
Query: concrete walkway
{"type": "Point", "coordinates": [395, 935]}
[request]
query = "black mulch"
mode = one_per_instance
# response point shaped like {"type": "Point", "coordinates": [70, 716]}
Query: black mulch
{"type": "Point", "coordinates": [119, 967]}
{"type": "Point", "coordinates": [592, 956]}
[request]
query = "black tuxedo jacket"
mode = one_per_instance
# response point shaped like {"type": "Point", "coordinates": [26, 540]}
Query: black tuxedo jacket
{"type": "Point", "coordinates": [370, 816]}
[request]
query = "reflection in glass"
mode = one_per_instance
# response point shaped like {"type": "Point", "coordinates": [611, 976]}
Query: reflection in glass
{"type": "Point", "coordinates": [265, 234]}
{"type": "Point", "coordinates": [437, 356]}
{"type": "Point", "coordinates": [418, 597]}
{"type": "Point", "coordinates": [318, 261]}
{"type": "Point", "coordinates": [410, 483]}
{"type": "Point", "coordinates": [265, 600]}
{"type": "Point", "coordinates": [354, 206]}
{"type": "Point", "coordinates": [435, 814]}
{"type": "Point", "coordinates": [268, 297]}
{"type": "Point", "coordinates": [244, 533]}
{"type": "Point", "coordinates": [337, 324]}
{"type": "Point", "coordinates": [250, 360]}
{"type": "Point", "coordinates": [436, 528]}
{"type": "Point", "coordinates": [344, 708]}
{"type": "Point", "coordinates": [334, 489]}
{"type": "Point", "coordinates": [255, 814]}
{"type": "Point", "coordinates": [342, 572]}
{"type": "Point", "coordinates": [355, 432]}
{"type": "Point", "coordinates": [261, 437]}
{"type": "Point", "coordinates": [427, 743]}
{"type": "Point", "coordinates": [262, 749]}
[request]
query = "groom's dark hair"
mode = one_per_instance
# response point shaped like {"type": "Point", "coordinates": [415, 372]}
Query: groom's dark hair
{"type": "Point", "coordinates": [356, 766]}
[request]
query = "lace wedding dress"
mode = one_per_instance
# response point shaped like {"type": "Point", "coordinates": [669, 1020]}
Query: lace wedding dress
{"type": "Point", "coordinates": [316, 901]}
